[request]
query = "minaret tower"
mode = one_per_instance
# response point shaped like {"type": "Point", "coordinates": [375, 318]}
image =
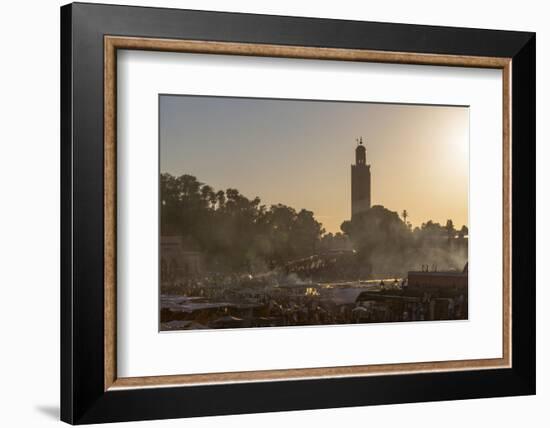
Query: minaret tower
{"type": "Point", "coordinates": [360, 181]}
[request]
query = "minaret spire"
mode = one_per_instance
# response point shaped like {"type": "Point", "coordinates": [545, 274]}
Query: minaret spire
{"type": "Point", "coordinates": [360, 152]}
{"type": "Point", "coordinates": [360, 180]}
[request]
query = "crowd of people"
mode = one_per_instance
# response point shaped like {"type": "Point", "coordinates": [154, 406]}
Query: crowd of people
{"type": "Point", "coordinates": [257, 302]}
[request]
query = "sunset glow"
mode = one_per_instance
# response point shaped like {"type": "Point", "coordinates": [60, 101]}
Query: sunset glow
{"type": "Point", "coordinates": [299, 153]}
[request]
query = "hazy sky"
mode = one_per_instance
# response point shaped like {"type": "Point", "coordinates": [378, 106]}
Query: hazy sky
{"type": "Point", "coordinates": [299, 153]}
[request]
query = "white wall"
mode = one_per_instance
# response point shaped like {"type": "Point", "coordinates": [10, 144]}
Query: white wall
{"type": "Point", "coordinates": [29, 216]}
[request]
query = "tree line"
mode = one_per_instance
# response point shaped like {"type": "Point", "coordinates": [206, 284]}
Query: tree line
{"type": "Point", "coordinates": [234, 232]}
{"type": "Point", "coordinates": [238, 234]}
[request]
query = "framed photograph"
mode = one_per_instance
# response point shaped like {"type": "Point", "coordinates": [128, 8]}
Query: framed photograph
{"type": "Point", "coordinates": [266, 213]}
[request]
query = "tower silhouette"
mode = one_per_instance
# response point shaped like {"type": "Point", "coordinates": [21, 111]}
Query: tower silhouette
{"type": "Point", "coordinates": [360, 181]}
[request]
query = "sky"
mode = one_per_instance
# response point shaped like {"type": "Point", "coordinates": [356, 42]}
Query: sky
{"type": "Point", "coordinates": [299, 153]}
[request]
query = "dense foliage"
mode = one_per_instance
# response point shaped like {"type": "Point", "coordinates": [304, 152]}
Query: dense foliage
{"type": "Point", "coordinates": [234, 232]}
{"type": "Point", "coordinates": [386, 244]}
{"type": "Point", "coordinates": [237, 234]}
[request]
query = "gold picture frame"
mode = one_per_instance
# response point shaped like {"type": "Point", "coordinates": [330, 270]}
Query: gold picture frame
{"type": "Point", "coordinates": [114, 43]}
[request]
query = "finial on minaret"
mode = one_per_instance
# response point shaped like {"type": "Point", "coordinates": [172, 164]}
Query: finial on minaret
{"type": "Point", "coordinates": [360, 152]}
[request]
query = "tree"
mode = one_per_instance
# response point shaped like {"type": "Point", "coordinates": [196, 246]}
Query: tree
{"type": "Point", "coordinates": [450, 228]}
{"type": "Point", "coordinates": [238, 234]}
{"type": "Point", "coordinates": [463, 231]}
{"type": "Point", "coordinates": [234, 232]}
{"type": "Point", "coordinates": [377, 232]}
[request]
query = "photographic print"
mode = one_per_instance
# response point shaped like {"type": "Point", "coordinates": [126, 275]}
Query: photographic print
{"type": "Point", "coordinates": [282, 212]}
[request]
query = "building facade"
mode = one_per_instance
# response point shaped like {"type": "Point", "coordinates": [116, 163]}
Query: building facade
{"type": "Point", "coordinates": [179, 259]}
{"type": "Point", "coordinates": [360, 181]}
